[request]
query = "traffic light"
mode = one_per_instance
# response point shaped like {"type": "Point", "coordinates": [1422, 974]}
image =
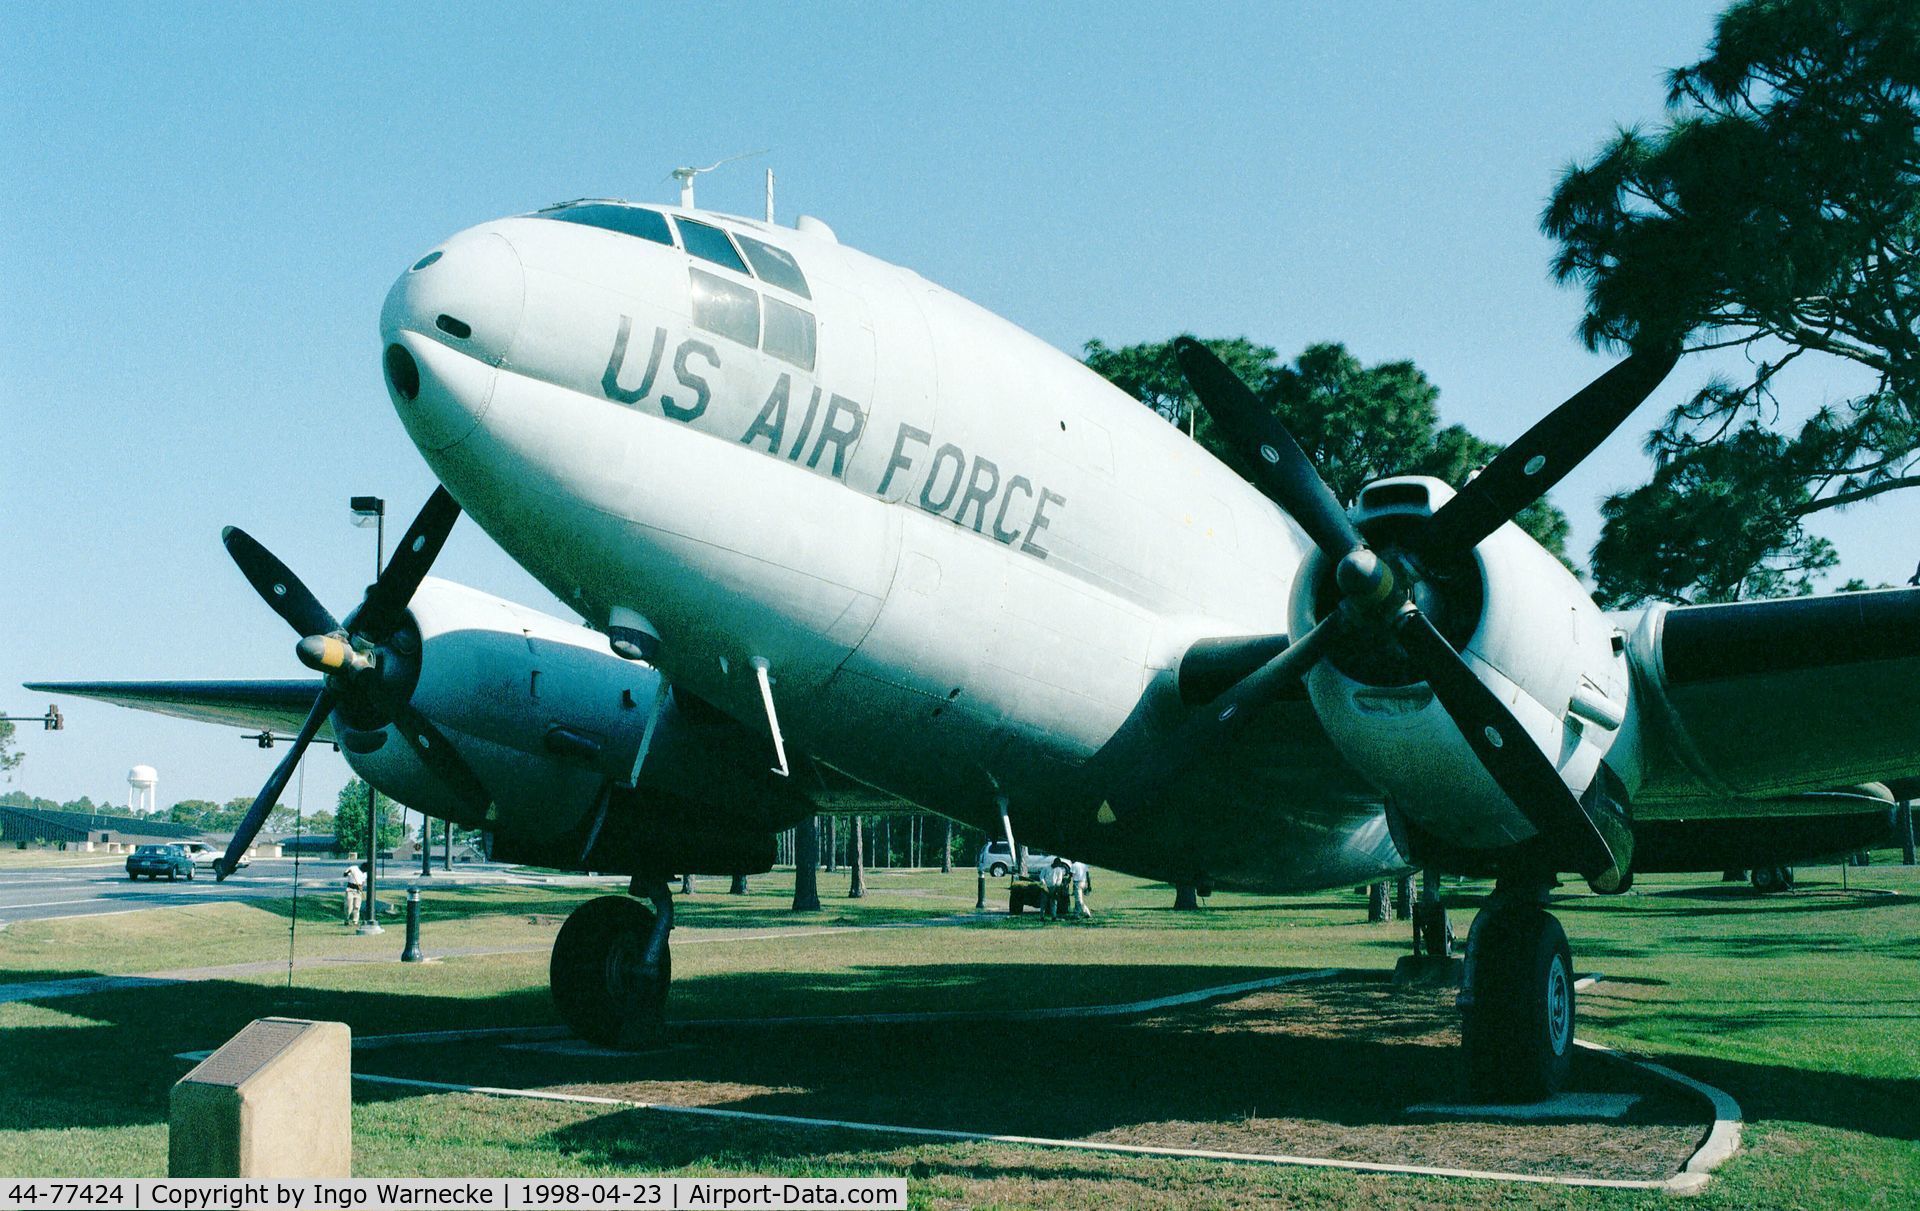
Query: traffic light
{"type": "Point", "coordinates": [55, 721]}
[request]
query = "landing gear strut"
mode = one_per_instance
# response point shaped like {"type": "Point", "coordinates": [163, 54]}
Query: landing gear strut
{"type": "Point", "coordinates": [1517, 1001]}
{"type": "Point", "coordinates": [1432, 929]}
{"type": "Point", "coordinates": [612, 966]}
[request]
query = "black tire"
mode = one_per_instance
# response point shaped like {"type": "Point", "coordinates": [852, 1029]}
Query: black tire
{"type": "Point", "coordinates": [1518, 1032]}
{"type": "Point", "coordinates": [1770, 879]}
{"type": "Point", "coordinates": [132, 878]}
{"type": "Point", "coordinates": [173, 876]}
{"type": "Point", "coordinates": [998, 870]}
{"type": "Point", "coordinates": [595, 973]}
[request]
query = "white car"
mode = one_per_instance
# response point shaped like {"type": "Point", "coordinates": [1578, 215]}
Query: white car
{"type": "Point", "coordinates": [204, 856]}
{"type": "Point", "coordinates": [996, 860]}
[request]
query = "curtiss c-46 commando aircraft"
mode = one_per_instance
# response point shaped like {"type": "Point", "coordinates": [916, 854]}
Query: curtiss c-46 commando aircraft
{"type": "Point", "coordinates": [835, 529]}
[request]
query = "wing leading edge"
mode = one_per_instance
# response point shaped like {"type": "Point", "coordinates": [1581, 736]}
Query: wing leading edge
{"type": "Point", "coordinates": [1769, 698]}
{"type": "Point", "coordinates": [275, 706]}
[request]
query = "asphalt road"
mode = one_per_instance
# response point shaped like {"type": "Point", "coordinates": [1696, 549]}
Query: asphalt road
{"type": "Point", "coordinates": [84, 891]}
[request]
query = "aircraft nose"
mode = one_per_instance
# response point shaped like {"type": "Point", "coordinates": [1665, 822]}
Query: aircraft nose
{"type": "Point", "coordinates": [448, 323]}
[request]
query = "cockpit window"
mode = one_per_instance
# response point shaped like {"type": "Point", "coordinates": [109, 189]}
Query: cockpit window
{"type": "Point", "coordinates": [726, 307]}
{"type": "Point", "coordinates": [709, 244]}
{"type": "Point", "coordinates": [790, 335]}
{"type": "Point", "coordinates": [627, 220]}
{"type": "Point", "coordinates": [775, 266]}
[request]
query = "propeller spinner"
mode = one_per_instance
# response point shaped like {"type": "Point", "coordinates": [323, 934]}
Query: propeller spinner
{"type": "Point", "coordinates": [359, 659]}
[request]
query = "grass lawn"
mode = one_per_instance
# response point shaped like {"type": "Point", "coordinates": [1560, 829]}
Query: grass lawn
{"type": "Point", "coordinates": [39, 858]}
{"type": "Point", "coordinates": [1806, 1007]}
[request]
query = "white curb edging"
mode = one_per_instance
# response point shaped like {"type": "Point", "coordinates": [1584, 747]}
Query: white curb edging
{"type": "Point", "coordinates": [1721, 1141]}
{"type": "Point", "coordinates": [1723, 1138]}
{"type": "Point", "coordinates": [1035, 1141]}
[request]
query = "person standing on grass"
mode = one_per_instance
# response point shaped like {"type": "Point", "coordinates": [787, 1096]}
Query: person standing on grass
{"type": "Point", "coordinates": [1082, 883]}
{"type": "Point", "coordinates": [1057, 880]}
{"type": "Point", "coordinates": [356, 882]}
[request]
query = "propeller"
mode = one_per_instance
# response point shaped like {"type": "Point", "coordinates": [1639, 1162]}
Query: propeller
{"type": "Point", "coordinates": [1523, 472]}
{"type": "Point", "coordinates": [369, 668]}
{"type": "Point", "coordinates": [1377, 605]}
{"type": "Point", "coordinates": [1281, 469]}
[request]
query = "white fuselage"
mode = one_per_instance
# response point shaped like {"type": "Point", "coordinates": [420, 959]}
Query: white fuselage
{"type": "Point", "coordinates": [966, 559]}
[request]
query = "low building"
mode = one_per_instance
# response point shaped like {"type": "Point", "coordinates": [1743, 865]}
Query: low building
{"type": "Point", "coordinates": [24, 826]}
{"type": "Point", "coordinates": [310, 845]}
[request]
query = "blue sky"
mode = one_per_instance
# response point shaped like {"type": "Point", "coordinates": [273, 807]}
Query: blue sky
{"type": "Point", "coordinates": [204, 207]}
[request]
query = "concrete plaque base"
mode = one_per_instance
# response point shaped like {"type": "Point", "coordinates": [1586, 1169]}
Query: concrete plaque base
{"type": "Point", "coordinates": [275, 1101]}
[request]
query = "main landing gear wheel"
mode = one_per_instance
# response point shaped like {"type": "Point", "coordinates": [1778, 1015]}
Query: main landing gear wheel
{"type": "Point", "coordinates": [1517, 1026]}
{"type": "Point", "coordinates": [601, 982]}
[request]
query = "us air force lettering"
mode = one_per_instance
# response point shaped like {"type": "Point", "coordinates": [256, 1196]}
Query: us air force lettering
{"type": "Point", "coordinates": [834, 529]}
{"type": "Point", "coordinates": [969, 492]}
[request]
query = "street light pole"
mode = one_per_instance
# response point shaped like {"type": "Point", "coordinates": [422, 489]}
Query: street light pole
{"type": "Point", "coordinates": [372, 508]}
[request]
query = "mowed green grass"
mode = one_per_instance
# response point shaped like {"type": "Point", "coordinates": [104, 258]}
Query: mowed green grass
{"type": "Point", "coordinates": [1805, 1007]}
{"type": "Point", "coordinates": [44, 858]}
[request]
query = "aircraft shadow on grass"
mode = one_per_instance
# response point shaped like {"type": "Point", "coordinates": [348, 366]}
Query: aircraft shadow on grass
{"type": "Point", "coordinates": [1354, 1065]}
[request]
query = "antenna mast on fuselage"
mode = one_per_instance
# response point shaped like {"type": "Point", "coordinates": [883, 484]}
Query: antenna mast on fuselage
{"type": "Point", "coordinates": [685, 176]}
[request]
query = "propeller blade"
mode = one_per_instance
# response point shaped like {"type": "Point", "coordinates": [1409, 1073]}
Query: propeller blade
{"type": "Point", "coordinates": [439, 755]}
{"type": "Point", "coordinates": [1504, 748]}
{"type": "Point", "coordinates": [1142, 779]}
{"type": "Point", "coordinates": [270, 793]}
{"type": "Point", "coordinates": [277, 585]}
{"type": "Point", "coordinates": [387, 600]}
{"type": "Point", "coordinates": [1557, 443]}
{"type": "Point", "coordinates": [1280, 468]}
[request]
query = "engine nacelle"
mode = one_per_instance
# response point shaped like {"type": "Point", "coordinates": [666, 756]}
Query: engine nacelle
{"type": "Point", "coordinates": [589, 759]}
{"type": "Point", "coordinates": [1526, 628]}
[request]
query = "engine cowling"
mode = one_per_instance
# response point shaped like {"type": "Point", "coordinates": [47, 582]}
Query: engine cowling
{"type": "Point", "coordinates": [1522, 623]}
{"type": "Point", "coordinates": [590, 760]}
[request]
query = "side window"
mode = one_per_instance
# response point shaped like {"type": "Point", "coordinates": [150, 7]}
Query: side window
{"type": "Point", "coordinates": [627, 220]}
{"type": "Point", "coordinates": [789, 333]}
{"type": "Point", "coordinates": [709, 244]}
{"type": "Point", "coordinates": [775, 266]}
{"type": "Point", "coordinates": [725, 307]}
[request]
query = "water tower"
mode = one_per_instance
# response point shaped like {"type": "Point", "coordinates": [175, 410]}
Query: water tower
{"type": "Point", "coordinates": [141, 780]}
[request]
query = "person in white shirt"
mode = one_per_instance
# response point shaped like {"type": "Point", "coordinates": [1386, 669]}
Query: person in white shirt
{"type": "Point", "coordinates": [1081, 884]}
{"type": "Point", "coordinates": [1057, 879]}
{"type": "Point", "coordinates": [356, 881]}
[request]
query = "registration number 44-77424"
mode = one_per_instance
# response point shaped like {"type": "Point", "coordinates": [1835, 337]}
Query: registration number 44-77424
{"type": "Point", "coordinates": [66, 1194]}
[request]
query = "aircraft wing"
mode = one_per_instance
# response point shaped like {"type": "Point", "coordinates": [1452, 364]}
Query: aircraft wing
{"type": "Point", "coordinates": [1754, 700]}
{"type": "Point", "coordinates": [275, 706]}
